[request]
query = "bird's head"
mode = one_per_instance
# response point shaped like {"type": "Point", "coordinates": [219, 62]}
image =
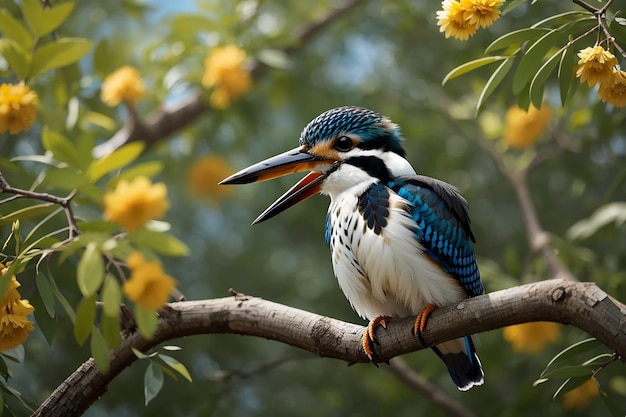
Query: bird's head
{"type": "Point", "coordinates": [342, 148]}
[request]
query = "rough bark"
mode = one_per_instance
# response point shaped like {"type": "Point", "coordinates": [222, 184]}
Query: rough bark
{"type": "Point", "coordinates": [583, 305]}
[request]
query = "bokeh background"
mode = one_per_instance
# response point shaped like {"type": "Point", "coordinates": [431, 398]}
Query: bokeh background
{"type": "Point", "coordinates": [387, 56]}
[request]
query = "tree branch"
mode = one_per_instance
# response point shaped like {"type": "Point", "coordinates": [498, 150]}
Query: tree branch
{"type": "Point", "coordinates": [165, 121]}
{"type": "Point", "coordinates": [583, 305]}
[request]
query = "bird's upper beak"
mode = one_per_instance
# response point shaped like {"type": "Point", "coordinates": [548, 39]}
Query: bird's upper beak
{"type": "Point", "coordinates": [295, 160]}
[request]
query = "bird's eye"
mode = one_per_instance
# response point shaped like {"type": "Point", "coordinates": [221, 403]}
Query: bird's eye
{"type": "Point", "coordinates": [344, 144]}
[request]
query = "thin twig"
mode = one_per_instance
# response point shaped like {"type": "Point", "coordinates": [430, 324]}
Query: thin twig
{"type": "Point", "coordinates": [64, 202]}
{"type": "Point", "coordinates": [438, 397]}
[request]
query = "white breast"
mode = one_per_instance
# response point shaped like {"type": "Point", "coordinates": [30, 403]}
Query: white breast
{"type": "Point", "coordinates": [384, 274]}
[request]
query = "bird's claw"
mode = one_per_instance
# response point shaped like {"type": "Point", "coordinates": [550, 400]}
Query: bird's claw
{"type": "Point", "coordinates": [420, 322]}
{"type": "Point", "coordinates": [369, 337]}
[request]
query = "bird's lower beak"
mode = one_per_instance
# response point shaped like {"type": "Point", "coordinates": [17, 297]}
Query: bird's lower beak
{"type": "Point", "coordinates": [295, 160]}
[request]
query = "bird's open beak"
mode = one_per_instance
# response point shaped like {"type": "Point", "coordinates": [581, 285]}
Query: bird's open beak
{"type": "Point", "coordinates": [295, 160]}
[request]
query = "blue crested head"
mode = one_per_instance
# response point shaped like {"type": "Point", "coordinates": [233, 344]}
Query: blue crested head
{"type": "Point", "coordinates": [374, 130]}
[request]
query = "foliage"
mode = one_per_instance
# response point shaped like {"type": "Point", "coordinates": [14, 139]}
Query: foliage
{"type": "Point", "coordinates": [71, 258]}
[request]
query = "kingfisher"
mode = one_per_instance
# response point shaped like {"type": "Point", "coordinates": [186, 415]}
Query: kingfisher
{"type": "Point", "coordinates": [401, 243]}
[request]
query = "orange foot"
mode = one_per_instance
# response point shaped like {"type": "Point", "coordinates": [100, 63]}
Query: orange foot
{"type": "Point", "coordinates": [369, 336]}
{"type": "Point", "coordinates": [420, 322]}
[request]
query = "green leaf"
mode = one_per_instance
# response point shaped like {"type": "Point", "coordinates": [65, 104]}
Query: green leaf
{"type": "Point", "coordinates": [139, 354]}
{"type": "Point", "coordinates": [37, 210]}
{"type": "Point", "coordinates": [66, 178]}
{"type": "Point", "coordinates": [566, 73]}
{"type": "Point", "coordinates": [13, 29]}
{"type": "Point", "coordinates": [90, 271]}
{"type": "Point", "coordinates": [572, 351]}
{"type": "Point", "coordinates": [193, 24]}
{"type": "Point", "coordinates": [540, 78]}
{"type": "Point", "coordinates": [598, 360]}
{"type": "Point", "coordinates": [275, 58]}
{"type": "Point", "coordinates": [111, 329]}
{"type": "Point", "coordinates": [100, 350]}
{"type": "Point", "coordinates": [617, 26]}
{"type": "Point", "coordinates": [515, 38]}
{"type": "Point", "coordinates": [161, 243]}
{"type": "Point", "coordinates": [471, 66]}
{"type": "Point", "coordinates": [85, 317]}
{"type": "Point", "coordinates": [111, 297]}
{"type": "Point", "coordinates": [531, 60]}
{"type": "Point", "coordinates": [570, 384]}
{"type": "Point", "coordinates": [42, 21]}
{"type": "Point", "coordinates": [61, 147]}
{"type": "Point", "coordinates": [59, 53]}
{"type": "Point", "coordinates": [146, 169]}
{"type": "Point", "coordinates": [121, 157]}
{"type": "Point", "coordinates": [147, 321]}
{"type": "Point", "coordinates": [45, 323]}
{"type": "Point", "coordinates": [561, 18]}
{"type": "Point", "coordinates": [511, 5]}
{"type": "Point", "coordinates": [609, 213]}
{"type": "Point", "coordinates": [16, 56]}
{"type": "Point", "coordinates": [152, 381]}
{"type": "Point", "coordinates": [176, 365]}
{"type": "Point", "coordinates": [494, 80]}
{"type": "Point", "coordinates": [568, 371]}
{"type": "Point", "coordinates": [46, 293]}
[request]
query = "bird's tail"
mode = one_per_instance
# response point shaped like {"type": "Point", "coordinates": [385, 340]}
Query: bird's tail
{"type": "Point", "coordinates": [460, 357]}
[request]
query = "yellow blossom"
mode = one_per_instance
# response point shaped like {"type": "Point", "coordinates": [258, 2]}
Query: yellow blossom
{"type": "Point", "coordinates": [481, 13]}
{"type": "Point", "coordinates": [453, 21]}
{"type": "Point", "coordinates": [148, 286]}
{"type": "Point", "coordinates": [596, 65]}
{"type": "Point", "coordinates": [14, 326]}
{"type": "Point", "coordinates": [224, 72]}
{"type": "Point", "coordinates": [524, 128]}
{"type": "Point", "coordinates": [580, 397]}
{"type": "Point", "coordinates": [204, 175]}
{"type": "Point", "coordinates": [532, 337]}
{"type": "Point", "coordinates": [18, 105]}
{"type": "Point", "coordinates": [123, 84]}
{"type": "Point", "coordinates": [613, 91]}
{"type": "Point", "coordinates": [132, 204]}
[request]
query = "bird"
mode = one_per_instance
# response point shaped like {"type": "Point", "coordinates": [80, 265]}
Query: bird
{"type": "Point", "coordinates": [401, 243]}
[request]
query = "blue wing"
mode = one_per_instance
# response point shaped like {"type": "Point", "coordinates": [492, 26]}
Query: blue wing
{"type": "Point", "coordinates": [443, 227]}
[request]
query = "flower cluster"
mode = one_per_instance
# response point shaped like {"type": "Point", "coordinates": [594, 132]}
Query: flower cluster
{"type": "Point", "coordinates": [524, 128]}
{"type": "Point", "coordinates": [148, 285]}
{"type": "Point", "coordinates": [123, 84]}
{"type": "Point", "coordinates": [132, 204]}
{"type": "Point", "coordinates": [462, 18]}
{"type": "Point", "coordinates": [18, 104]}
{"type": "Point", "coordinates": [224, 72]}
{"type": "Point", "coordinates": [532, 337]}
{"type": "Point", "coordinates": [204, 175]}
{"type": "Point", "coordinates": [14, 326]}
{"type": "Point", "coordinates": [599, 66]}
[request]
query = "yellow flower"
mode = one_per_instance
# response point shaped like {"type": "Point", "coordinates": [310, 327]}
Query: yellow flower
{"type": "Point", "coordinates": [148, 286]}
{"type": "Point", "coordinates": [595, 66]}
{"type": "Point", "coordinates": [579, 398]}
{"type": "Point", "coordinates": [481, 13]}
{"type": "Point", "coordinates": [532, 337]}
{"type": "Point", "coordinates": [204, 175]}
{"type": "Point", "coordinates": [14, 326]}
{"type": "Point", "coordinates": [524, 128]}
{"type": "Point", "coordinates": [225, 73]}
{"type": "Point", "coordinates": [132, 204]}
{"type": "Point", "coordinates": [613, 91]}
{"type": "Point", "coordinates": [18, 104]}
{"type": "Point", "coordinates": [123, 84]}
{"type": "Point", "coordinates": [454, 22]}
